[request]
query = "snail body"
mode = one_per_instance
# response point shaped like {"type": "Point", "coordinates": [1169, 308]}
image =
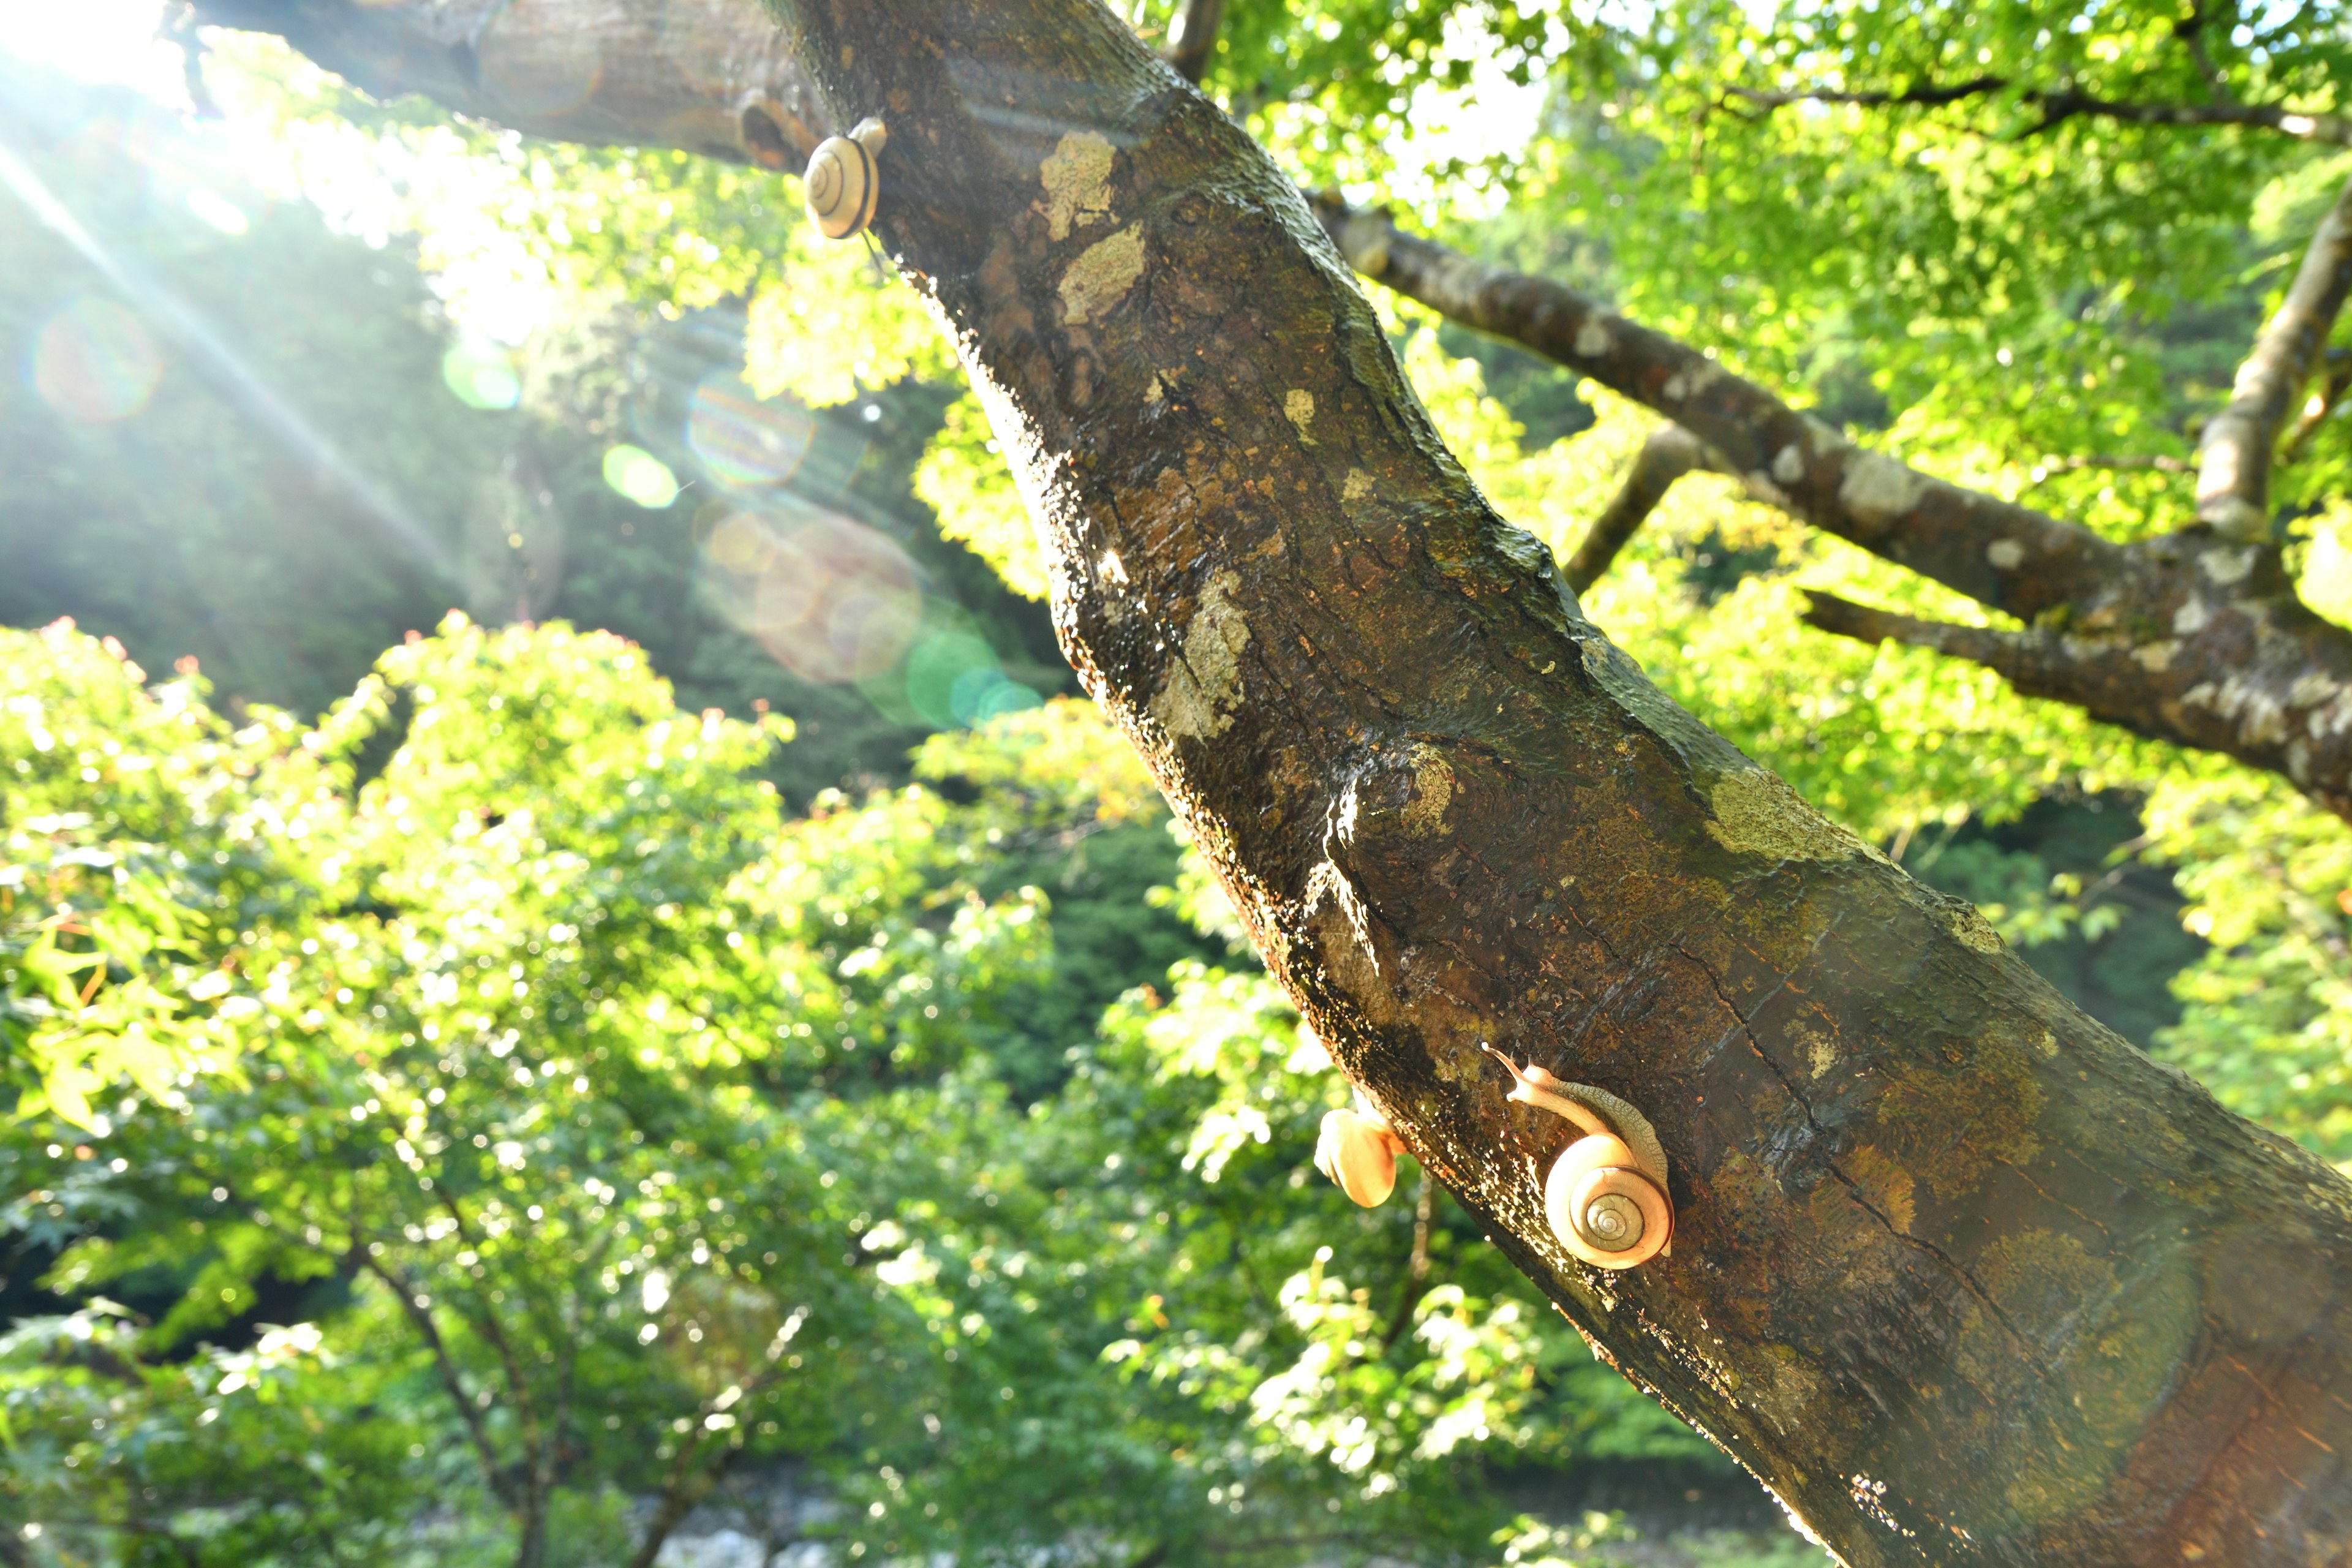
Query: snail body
{"type": "Point", "coordinates": [843, 180]}
{"type": "Point", "coordinates": [1606, 1197]}
{"type": "Point", "coordinates": [1358, 1152]}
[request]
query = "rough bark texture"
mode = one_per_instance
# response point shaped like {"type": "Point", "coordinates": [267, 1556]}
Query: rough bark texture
{"type": "Point", "coordinates": [2189, 638]}
{"type": "Point", "coordinates": [1960, 1274]}
{"type": "Point", "coordinates": [2235, 452]}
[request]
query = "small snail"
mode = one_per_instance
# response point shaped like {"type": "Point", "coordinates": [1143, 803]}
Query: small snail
{"type": "Point", "coordinates": [1606, 1197]}
{"type": "Point", "coordinates": [1357, 1151]}
{"type": "Point", "coordinates": [842, 184]}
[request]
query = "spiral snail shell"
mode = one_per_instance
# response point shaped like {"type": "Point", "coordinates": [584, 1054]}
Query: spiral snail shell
{"type": "Point", "coordinates": [842, 184]}
{"type": "Point", "coordinates": [1358, 1152]}
{"type": "Point", "coordinates": [1606, 1196]}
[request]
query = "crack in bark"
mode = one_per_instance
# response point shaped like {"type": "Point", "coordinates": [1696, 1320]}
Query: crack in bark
{"type": "Point", "coordinates": [1746, 1026]}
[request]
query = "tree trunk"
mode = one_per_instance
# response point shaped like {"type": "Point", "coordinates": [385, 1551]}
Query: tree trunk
{"type": "Point", "coordinates": [1959, 1275]}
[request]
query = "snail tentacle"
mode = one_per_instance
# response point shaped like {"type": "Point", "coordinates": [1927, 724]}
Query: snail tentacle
{"type": "Point", "coordinates": [1606, 1197]}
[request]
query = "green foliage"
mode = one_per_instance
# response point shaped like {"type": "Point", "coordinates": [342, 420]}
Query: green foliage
{"type": "Point", "coordinates": [964, 478]}
{"type": "Point", "coordinates": [593, 1108]}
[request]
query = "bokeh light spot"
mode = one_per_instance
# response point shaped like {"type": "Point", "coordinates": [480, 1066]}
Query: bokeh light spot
{"type": "Point", "coordinates": [640, 476]}
{"type": "Point", "coordinates": [740, 543]}
{"type": "Point", "coordinates": [996, 697]}
{"type": "Point", "coordinates": [483, 375]}
{"type": "Point", "coordinates": [831, 600]}
{"type": "Point", "coordinates": [942, 666]}
{"type": "Point", "coordinates": [742, 440]}
{"type": "Point", "coordinates": [95, 361]}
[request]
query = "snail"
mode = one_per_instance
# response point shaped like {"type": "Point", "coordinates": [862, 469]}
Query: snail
{"type": "Point", "coordinates": [1606, 1197]}
{"type": "Point", "coordinates": [842, 184]}
{"type": "Point", "coordinates": [1357, 1151]}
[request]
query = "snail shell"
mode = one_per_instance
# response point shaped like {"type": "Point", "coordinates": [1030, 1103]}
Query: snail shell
{"type": "Point", "coordinates": [843, 182]}
{"type": "Point", "coordinates": [1358, 1153]}
{"type": "Point", "coordinates": [1603, 1208]}
{"type": "Point", "coordinates": [1606, 1197]}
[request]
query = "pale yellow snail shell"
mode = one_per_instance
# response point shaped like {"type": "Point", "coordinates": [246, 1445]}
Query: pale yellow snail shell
{"type": "Point", "coordinates": [843, 184]}
{"type": "Point", "coordinates": [1358, 1153]}
{"type": "Point", "coordinates": [1606, 1197]}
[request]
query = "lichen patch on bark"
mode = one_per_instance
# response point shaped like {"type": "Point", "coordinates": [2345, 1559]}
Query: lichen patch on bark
{"type": "Point", "coordinates": [1878, 489]}
{"type": "Point", "coordinates": [1076, 176]}
{"type": "Point", "coordinates": [1298, 407]}
{"type": "Point", "coordinates": [1101, 275]}
{"type": "Point", "coordinates": [1433, 791]}
{"type": "Point", "coordinates": [1204, 686]}
{"type": "Point", "coordinates": [1757, 814]}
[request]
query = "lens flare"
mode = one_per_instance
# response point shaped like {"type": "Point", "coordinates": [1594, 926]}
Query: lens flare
{"type": "Point", "coordinates": [640, 476]}
{"type": "Point", "coordinates": [740, 543]}
{"type": "Point", "coordinates": [483, 377]}
{"type": "Point", "coordinates": [742, 440]}
{"type": "Point", "coordinates": [833, 601]}
{"type": "Point", "coordinates": [95, 362]}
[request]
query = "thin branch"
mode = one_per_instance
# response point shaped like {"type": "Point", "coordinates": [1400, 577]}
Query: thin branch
{"type": "Point", "coordinates": [1781, 455]}
{"type": "Point", "coordinates": [1416, 1274]}
{"type": "Point", "coordinates": [1669, 454]}
{"type": "Point", "coordinates": [2058, 106]}
{"type": "Point", "coordinates": [2323, 402]}
{"type": "Point", "coordinates": [1193, 40]}
{"type": "Point", "coordinates": [685, 1485]}
{"type": "Point", "coordinates": [493, 1471]}
{"type": "Point", "coordinates": [2120, 462]}
{"type": "Point", "coordinates": [1930, 95]}
{"type": "Point", "coordinates": [486, 1323]}
{"type": "Point", "coordinates": [1997, 650]}
{"type": "Point", "coordinates": [2234, 455]}
{"type": "Point", "coordinates": [2191, 34]}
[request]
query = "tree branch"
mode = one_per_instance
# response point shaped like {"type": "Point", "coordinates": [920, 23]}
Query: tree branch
{"type": "Point", "coordinates": [1192, 41]}
{"type": "Point", "coordinates": [711, 76]}
{"type": "Point", "coordinates": [2184, 637]}
{"type": "Point", "coordinates": [2058, 105]}
{"type": "Point", "coordinates": [685, 1485]}
{"type": "Point", "coordinates": [494, 1471]}
{"type": "Point", "coordinates": [2338, 365]}
{"type": "Point", "coordinates": [1670, 452]}
{"type": "Point", "coordinates": [1937, 529]}
{"type": "Point", "coordinates": [2234, 454]}
{"type": "Point", "coordinates": [1998, 650]}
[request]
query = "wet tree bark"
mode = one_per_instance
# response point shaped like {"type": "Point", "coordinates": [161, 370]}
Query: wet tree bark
{"type": "Point", "coordinates": [1960, 1274]}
